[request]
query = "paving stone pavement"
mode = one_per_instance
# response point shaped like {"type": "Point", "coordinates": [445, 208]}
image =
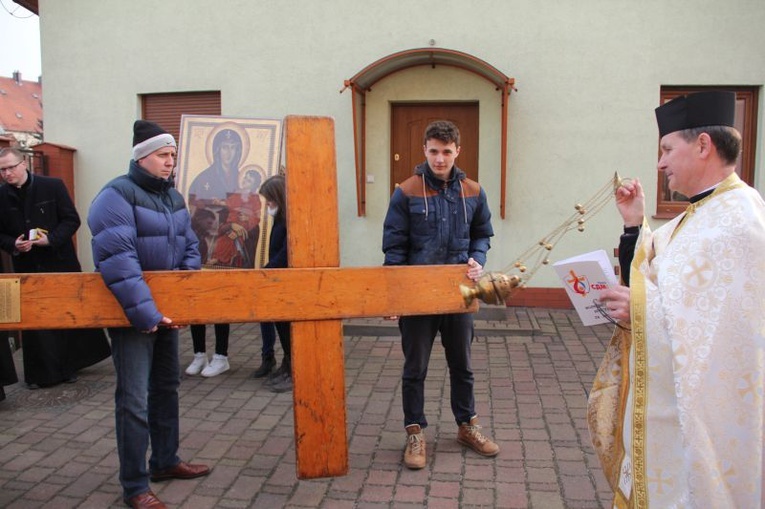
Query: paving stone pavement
{"type": "Point", "coordinates": [532, 366]}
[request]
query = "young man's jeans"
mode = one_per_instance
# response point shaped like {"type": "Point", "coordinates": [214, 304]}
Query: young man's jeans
{"type": "Point", "coordinates": [146, 403]}
{"type": "Point", "coordinates": [417, 336]}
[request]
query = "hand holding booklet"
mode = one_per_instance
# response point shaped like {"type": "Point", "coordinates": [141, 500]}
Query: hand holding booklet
{"type": "Point", "coordinates": [583, 277]}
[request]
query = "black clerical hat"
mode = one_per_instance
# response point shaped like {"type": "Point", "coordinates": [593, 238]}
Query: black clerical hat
{"type": "Point", "coordinates": [715, 107]}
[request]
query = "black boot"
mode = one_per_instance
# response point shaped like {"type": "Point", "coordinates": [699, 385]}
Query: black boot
{"type": "Point", "coordinates": [282, 371]}
{"type": "Point", "coordinates": [283, 385]}
{"type": "Point", "coordinates": [265, 368]}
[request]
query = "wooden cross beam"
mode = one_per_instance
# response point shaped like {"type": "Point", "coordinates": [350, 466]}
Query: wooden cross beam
{"type": "Point", "coordinates": [314, 294]}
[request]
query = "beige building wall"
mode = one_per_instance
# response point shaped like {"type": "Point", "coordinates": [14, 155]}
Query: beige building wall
{"type": "Point", "coordinates": [588, 76]}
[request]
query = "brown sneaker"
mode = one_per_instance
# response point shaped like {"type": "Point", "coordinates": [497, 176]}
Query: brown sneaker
{"type": "Point", "coordinates": [470, 436]}
{"type": "Point", "coordinates": [414, 454]}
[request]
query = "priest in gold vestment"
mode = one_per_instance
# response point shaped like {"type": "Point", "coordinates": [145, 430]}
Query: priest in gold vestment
{"type": "Point", "coordinates": [676, 412]}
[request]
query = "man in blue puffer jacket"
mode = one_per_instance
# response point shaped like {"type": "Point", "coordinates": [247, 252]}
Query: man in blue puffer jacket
{"type": "Point", "coordinates": [139, 222]}
{"type": "Point", "coordinates": [436, 217]}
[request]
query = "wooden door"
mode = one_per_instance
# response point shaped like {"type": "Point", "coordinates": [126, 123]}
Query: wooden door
{"type": "Point", "coordinates": [408, 122]}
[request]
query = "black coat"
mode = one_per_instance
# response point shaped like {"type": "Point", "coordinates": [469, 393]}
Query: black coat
{"type": "Point", "coordinates": [46, 205]}
{"type": "Point", "coordinates": [50, 356]}
{"type": "Point", "coordinates": [277, 246]}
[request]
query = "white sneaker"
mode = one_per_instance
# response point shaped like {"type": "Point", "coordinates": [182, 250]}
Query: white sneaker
{"type": "Point", "coordinates": [198, 364]}
{"type": "Point", "coordinates": [218, 365]}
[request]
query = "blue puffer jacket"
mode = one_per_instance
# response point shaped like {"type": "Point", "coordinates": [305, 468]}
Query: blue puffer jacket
{"type": "Point", "coordinates": [432, 222]}
{"type": "Point", "coordinates": [140, 222]}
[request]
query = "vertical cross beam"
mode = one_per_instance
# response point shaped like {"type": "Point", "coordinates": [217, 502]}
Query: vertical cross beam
{"type": "Point", "coordinates": [317, 346]}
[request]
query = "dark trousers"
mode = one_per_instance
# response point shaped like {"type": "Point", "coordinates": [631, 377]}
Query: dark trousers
{"type": "Point", "coordinates": [268, 333]}
{"type": "Point", "coordinates": [417, 336]}
{"type": "Point", "coordinates": [285, 337]}
{"type": "Point", "coordinates": [222, 331]}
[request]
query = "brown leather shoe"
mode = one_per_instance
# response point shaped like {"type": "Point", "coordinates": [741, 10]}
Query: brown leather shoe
{"type": "Point", "coordinates": [182, 470]}
{"type": "Point", "coordinates": [146, 500]}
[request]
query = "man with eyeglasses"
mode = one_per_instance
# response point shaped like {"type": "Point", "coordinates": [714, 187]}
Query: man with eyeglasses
{"type": "Point", "coordinates": [37, 222]}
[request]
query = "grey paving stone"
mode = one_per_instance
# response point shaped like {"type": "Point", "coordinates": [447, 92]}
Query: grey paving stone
{"type": "Point", "coordinates": [532, 368]}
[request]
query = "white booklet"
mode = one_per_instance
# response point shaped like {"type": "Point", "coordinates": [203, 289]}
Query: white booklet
{"type": "Point", "coordinates": [583, 277]}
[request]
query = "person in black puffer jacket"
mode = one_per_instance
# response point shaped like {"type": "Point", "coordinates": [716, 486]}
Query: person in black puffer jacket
{"type": "Point", "coordinates": [140, 222]}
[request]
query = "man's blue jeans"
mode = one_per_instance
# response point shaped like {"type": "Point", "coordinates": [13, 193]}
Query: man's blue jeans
{"type": "Point", "coordinates": [146, 403]}
{"type": "Point", "coordinates": [417, 336]}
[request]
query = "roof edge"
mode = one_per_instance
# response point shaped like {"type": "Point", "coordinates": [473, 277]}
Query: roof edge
{"type": "Point", "coordinates": [401, 60]}
{"type": "Point", "coordinates": [30, 5]}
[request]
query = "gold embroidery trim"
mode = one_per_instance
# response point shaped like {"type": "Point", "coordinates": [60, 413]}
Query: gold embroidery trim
{"type": "Point", "coordinates": [730, 183]}
{"type": "Point", "coordinates": [639, 495]}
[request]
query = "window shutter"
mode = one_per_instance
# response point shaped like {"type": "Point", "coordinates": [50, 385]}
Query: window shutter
{"type": "Point", "coordinates": [166, 109]}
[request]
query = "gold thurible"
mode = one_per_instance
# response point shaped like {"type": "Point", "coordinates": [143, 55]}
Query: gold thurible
{"type": "Point", "coordinates": [496, 287]}
{"type": "Point", "coordinates": [492, 288]}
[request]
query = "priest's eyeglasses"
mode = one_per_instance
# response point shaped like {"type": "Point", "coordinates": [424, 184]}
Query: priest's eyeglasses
{"type": "Point", "coordinates": [9, 168]}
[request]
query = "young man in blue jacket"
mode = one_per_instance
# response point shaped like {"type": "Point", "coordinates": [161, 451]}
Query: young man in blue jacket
{"type": "Point", "coordinates": [140, 222]}
{"type": "Point", "coordinates": [439, 216]}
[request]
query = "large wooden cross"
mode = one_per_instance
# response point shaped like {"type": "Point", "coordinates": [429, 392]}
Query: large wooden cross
{"type": "Point", "coordinates": [315, 294]}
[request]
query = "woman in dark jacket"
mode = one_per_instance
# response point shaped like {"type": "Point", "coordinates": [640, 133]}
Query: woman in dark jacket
{"type": "Point", "coordinates": [273, 191]}
{"type": "Point", "coordinates": [42, 204]}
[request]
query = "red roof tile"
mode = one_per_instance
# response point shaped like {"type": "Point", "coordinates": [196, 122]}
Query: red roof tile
{"type": "Point", "coordinates": [20, 105]}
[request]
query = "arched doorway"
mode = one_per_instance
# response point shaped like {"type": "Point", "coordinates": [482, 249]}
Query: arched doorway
{"type": "Point", "coordinates": [362, 82]}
